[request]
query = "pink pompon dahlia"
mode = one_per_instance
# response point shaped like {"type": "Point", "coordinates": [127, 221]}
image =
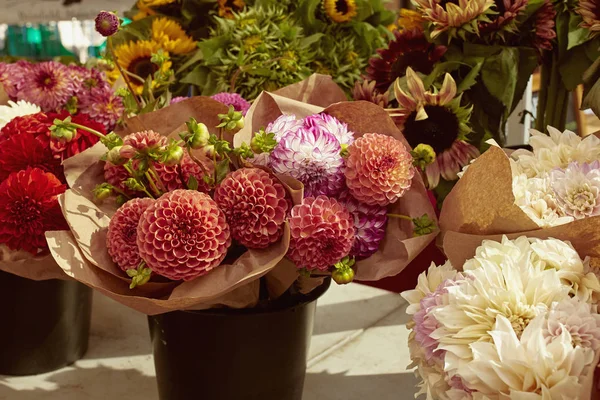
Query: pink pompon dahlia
{"type": "Point", "coordinates": [178, 99]}
{"type": "Point", "coordinates": [183, 235]}
{"type": "Point", "coordinates": [284, 125]}
{"type": "Point", "coordinates": [322, 233]}
{"type": "Point", "coordinates": [330, 125]}
{"type": "Point", "coordinates": [369, 221]}
{"type": "Point", "coordinates": [379, 169]}
{"type": "Point", "coordinates": [233, 99]}
{"type": "Point", "coordinates": [116, 175]}
{"type": "Point", "coordinates": [49, 85]}
{"type": "Point", "coordinates": [190, 168]}
{"type": "Point", "coordinates": [145, 141]}
{"type": "Point", "coordinates": [255, 205]}
{"type": "Point", "coordinates": [121, 239]}
{"type": "Point", "coordinates": [314, 158]}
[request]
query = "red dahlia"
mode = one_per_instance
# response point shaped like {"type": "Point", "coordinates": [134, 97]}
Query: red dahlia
{"type": "Point", "coordinates": [19, 152]}
{"type": "Point", "coordinates": [36, 124]}
{"type": "Point", "coordinates": [28, 208]}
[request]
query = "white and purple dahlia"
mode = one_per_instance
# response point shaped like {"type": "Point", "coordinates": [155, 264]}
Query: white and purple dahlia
{"type": "Point", "coordinates": [370, 222]}
{"type": "Point", "coordinates": [283, 125]}
{"type": "Point", "coordinates": [577, 189]}
{"type": "Point", "coordinates": [331, 125]}
{"type": "Point", "coordinates": [313, 157]}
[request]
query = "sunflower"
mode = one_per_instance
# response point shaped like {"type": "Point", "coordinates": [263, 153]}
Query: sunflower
{"type": "Point", "coordinates": [437, 119]}
{"type": "Point", "coordinates": [227, 7]}
{"type": "Point", "coordinates": [340, 11]}
{"type": "Point", "coordinates": [410, 48]}
{"type": "Point", "coordinates": [457, 17]}
{"type": "Point", "coordinates": [505, 19]}
{"type": "Point", "coordinates": [150, 7]}
{"type": "Point", "coordinates": [409, 20]}
{"type": "Point", "coordinates": [590, 12]}
{"type": "Point", "coordinates": [171, 36]}
{"type": "Point", "coordinates": [135, 58]}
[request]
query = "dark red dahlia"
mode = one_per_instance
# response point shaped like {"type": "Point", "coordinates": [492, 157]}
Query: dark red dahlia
{"type": "Point", "coordinates": [81, 142]}
{"type": "Point", "coordinates": [28, 208]}
{"type": "Point", "coordinates": [36, 124]}
{"type": "Point", "coordinates": [410, 48]}
{"type": "Point", "coordinates": [20, 152]}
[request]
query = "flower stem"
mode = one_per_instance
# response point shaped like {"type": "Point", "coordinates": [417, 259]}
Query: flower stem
{"type": "Point", "coordinates": [197, 161]}
{"type": "Point", "coordinates": [90, 130]}
{"type": "Point", "coordinates": [123, 74]}
{"type": "Point", "coordinates": [400, 216]}
{"type": "Point", "coordinates": [130, 171]}
{"type": "Point", "coordinates": [156, 177]}
{"type": "Point", "coordinates": [540, 117]}
{"type": "Point", "coordinates": [152, 184]}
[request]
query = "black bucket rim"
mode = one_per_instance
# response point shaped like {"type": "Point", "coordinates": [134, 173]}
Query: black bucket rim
{"type": "Point", "coordinates": [283, 307]}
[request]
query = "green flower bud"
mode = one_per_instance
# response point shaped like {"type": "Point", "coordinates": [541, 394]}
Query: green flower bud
{"type": "Point", "coordinates": [424, 225]}
{"type": "Point", "coordinates": [134, 185]}
{"type": "Point", "coordinates": [423, 155]}
{"type": "Point", "coordinates": [232, 120]}
{"type": "Point", "coordinates": [112, 140]}
{"type": "Point", "coordinates": [344, 273]}
{"type": "Point", "coordinates": [102, 191]}
{"type": "Point", "coordinates": [172, 155]}
{"type": "Point", "coordinates": [63, 131]}
{"type": "Point", "coordinates": [263, 142]}
{"type": "Point", "coordinates": [139, 276]}
{"type": "Point", "coordinates": [197, 135]}
{"type": "Point", "coordinates": [114, 156]}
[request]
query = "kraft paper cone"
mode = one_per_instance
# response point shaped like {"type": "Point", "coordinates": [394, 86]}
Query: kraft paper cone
{"type": "Point", "coordinates": [318, 90]}
{"type": "Point", "coordinates": [26, 266]}
{"type": "Point", "coordinates": [3, 96]}
{"type": "Point", "coordinates": [399, 247]}
{"type": "Point", "coordinates": [481, 206]}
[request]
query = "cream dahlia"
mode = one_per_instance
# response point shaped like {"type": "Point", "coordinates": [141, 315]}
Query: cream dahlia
{"type": "Point", "coordinates": [322, 233]}
{"type": "Point", "coordinates": [255, 205]}
{"type": "Point", "coordinates": [18, 109]}
{"type": "Point", "coordinates": [379, 169]}
{"type": "Point", "coordinates": [313, 157]}
{"type": "Point", "coordinates": [121, 239]}
{"type": "Point", "coordinates": [183, 235]}
{"type": "Point", "coordinates": [577, 189]}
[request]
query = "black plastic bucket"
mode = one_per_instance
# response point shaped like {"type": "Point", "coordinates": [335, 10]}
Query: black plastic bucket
{"type": "Point", "coordinates": [253, 354]}
{"type": "Point", "coordinates": [45, 324]}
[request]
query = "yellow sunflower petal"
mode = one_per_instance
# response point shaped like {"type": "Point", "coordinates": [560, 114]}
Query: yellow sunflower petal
{"type": "Point", "coordinates": [340, 11]}
{"type": "Point", "coordinates": [171, 36]}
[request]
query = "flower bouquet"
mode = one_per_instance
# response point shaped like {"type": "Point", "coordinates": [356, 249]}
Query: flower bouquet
{"type": "Point", "coordinates": [550, 191]}
{"type": "Point", "coordinates": [31, 179]}
{"type": "Point", "coordinates": [519, 320]}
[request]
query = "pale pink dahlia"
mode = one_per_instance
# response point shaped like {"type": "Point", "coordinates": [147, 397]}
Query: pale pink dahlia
{"type": "Point", "coordinates": [145, 141]}
{"type": "Point", "coordinates": [284, 125]}
{"type": "Point", "coordinates": [49, 85]}
{"type": "Point", "coordinates": [122, 233]}
{"type": "Point", "coordinates": [233, 99]}
{"type": "Point", "coordinates": [183, 235]}
{"type": "Point", "coordinates": [322, 233]}
{"type": "Point", "coordinates": [577, 189]}
{"type": "Point", "coordinates": [330, 125]}
{"type": "Point", "coordinates": [379, 169]}
{"type": "Point", "coordinates": [102, 105]}
{"type": "Point", "coordinates": [577, 318]}
{"type": "Point", "coordinates": [369, 221]}
{"type": "Point", "coordinates": [178, 99]}
{"type": "Point", "coordinates": [255, 205]}
{"type": "Point", "coordinates": [313, 157]}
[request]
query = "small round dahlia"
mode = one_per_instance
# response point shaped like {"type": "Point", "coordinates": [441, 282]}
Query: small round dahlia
{"type": "Point", "coordinates": [145, 140]}
{"type": "Point", "coordinates": [190, 168]}
{"type": "Point", "coordinates": [183, 235]}
{"type": "Point", "coordinates": [122, 233]}
{"type": "Point", "coordinates": [48, 85]}
{"type": "Point", "coordinates": [116, 175]}
{"type": "Point", "coordinates": [283, 125]}
{"type": "Point", "coordinates": [379, 169]}
{"type": "Point", "coordinates": [322, 233]}
{"type": "Point", "coordinates": [169, 176]}
{"type": "Point", "coordinates": [369, 221]}
{"type": "Point", "coordinates": [13, 77]}
{"type": "Point", "coordinates": [255, 205]}
{"type": "Point", "coordinates": [107, 23]}
{"type": "Point", "coordinates": [330, 125]}
{"type": "Point", "coordinates": [313, 157]}
{"type": "Point", "coordinates": [233, 99]}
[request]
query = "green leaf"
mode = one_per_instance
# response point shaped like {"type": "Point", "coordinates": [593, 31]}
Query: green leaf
{"type": "Point", "coordinates": [198, 76]}
{"type": "Point", "coordinates": [439, 70]}
{"type": "Point", "coordinates": [213, 48]}
{"type": "Point", "coordinates": [310, 40]}
{"type": "Point", "coordinates": [577, 35]}
{"type": "Point", "coordinates": [196, 57]}
{"type": "Point", "coordinates": [573, 66]}
{"type": "Point", "coordinates": [222, 170]}
{"type": "Point", "coordinates": [562, 33]}
{"type": "Point", "coordinates": [192, 183]}
{"type": "Point", "coordinates": [528, 62]}
{"type": "Point", "coordinates": [471, 78]}
{"type": "Point", "coordinates": [499, 75]}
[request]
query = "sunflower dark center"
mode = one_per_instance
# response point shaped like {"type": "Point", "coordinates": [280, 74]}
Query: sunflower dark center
{"type": "Point", "coordinates": [500, 7]}
{"type": "Point", "coordinates": [341, 6]}
{"type": "Point", "coordinates": [143, 67]}
{"type": "Point", "coordinates": [417, 60]}
{"type": "Point", "coordinates": [439, 130]}
{"type": "Point", "coordinates": [25, 210]}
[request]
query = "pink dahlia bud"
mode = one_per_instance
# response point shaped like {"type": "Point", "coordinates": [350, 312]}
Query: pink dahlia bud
{"type": "Point", "coordinates": [183, 235]}
{"type": "Point", "coordinates": [255, 205]}
{"type": "Point", "coordinates": [322, 233]}
{"type": "Point", "coordinates": [107, 23]}
{"type": "Point", "coordinates": [379, 169]}
{"type": "Point", "coordinates": [122, 233]}
{"type": "Point", "coordinates": [369, 221]}
{"type": "Point", "coordinates": [145, 141]}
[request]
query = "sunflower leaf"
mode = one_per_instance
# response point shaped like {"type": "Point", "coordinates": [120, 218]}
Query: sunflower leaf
{"type": "Point", "coordinates": [577, 35]}
{"type": "Point", "coordinates": [471, 78]}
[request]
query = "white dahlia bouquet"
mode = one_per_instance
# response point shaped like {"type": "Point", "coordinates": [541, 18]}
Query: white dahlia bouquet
{"type": "Point", "coordinates": [552, 190]}
{"type": "Point", "coordinates": [519, 321]}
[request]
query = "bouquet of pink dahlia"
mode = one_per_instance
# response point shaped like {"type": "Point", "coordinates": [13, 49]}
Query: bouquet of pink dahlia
{"type": "Point", "coordinates": [177, 219]}
{"type": "Point", "coordinates": [520, 321]}
{"type": "Point", "coordinates": [551, 191]}
{"type": "Point", "coordinates": [52, 87]}
{"type": "Point", "coordinates": [365, 209]}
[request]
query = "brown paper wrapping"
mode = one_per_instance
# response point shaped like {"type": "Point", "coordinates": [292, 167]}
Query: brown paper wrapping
{"type": "Point", "coordinates": [482, 206]}
{"type": "Point", "coordinates": [3, 96]}
{"type": "Point", "coordinates": [318, 90]}
{"type": "Point", "coordinates": [398, 248]}
{"type": "Point", "coordinates": [27, 266]}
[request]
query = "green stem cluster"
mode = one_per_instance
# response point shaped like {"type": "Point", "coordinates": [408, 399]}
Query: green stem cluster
{"type": "Point", "coordinates": [553, 103]}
